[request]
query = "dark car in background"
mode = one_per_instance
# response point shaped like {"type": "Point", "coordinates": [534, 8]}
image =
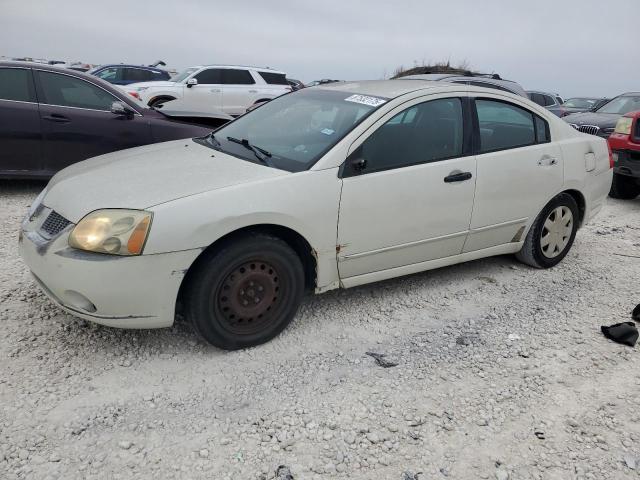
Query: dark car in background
{"type": "Point", "coordinates": [581, 104]}
{"type": "Point", "coordinates": [602, 121]}
{"type": "Point", "coordinates": [51, 117]}
{"type": "Point", "coordinates": [125, 74]}
{"type": "Point", "coordinates": [551, 101]}
{"type": "Point", "coordinates": [625, 146]}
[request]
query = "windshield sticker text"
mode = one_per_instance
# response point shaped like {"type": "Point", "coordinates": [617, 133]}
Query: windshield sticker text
{"type": "Point", "coordinates": [366, 100]}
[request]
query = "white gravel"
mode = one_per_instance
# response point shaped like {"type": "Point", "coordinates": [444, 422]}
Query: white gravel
{"type": "Point", "coordinates": [502, 374]}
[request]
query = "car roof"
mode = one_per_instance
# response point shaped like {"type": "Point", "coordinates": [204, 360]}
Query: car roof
{"type": "Point", "coordinates": [127, 65]}
{"type": "Point", "coordinates": [248, 67]}
{"type": "Point", "coordinates": [386, 88]}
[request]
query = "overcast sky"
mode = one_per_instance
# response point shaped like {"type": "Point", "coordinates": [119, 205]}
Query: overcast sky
{"type": "Point", "coordinates": [572, 47]}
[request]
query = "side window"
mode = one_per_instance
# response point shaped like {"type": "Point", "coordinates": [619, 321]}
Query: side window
{"type": "Point", "coordinates": [274, 78]}
{"type": "Point", "coordinates": [427, 132]}
{"type": "Point", "coordinates": [67, 91]}
{"type": "Point", "coordinates": [237, 77]}
{"type": "Point", "coordinates": [137, 75]}
{"type": "Point", "coordinates": [109, 74]}
{"type": "Point", "coordinates": [16, 84]}
{"type": "Point", "coordinates": [548, 100]}
{"type": "Point", "coordinates": [537, 98]}
{"type": "Point", "coordinates": [211, 76]}
{"type": "Point", "coordinates": [542, 130]}
{"type": "Point", "coordinates": [503, 125]}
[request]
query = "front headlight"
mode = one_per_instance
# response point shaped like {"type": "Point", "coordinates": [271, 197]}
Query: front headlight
{"type": "Point", "coordinates": [624, 125]}
{"type": "Point", "coordinates": [113, 231]}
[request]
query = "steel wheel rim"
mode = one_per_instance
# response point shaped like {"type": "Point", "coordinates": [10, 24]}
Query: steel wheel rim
{"type": "Point", "coordinates": [556, 231]}
{"type": "Point", "coordinates": [248, 297]}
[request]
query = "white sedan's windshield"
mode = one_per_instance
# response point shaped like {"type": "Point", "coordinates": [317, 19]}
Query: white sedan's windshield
{"type": "Point", "coordinates": [295, 130]}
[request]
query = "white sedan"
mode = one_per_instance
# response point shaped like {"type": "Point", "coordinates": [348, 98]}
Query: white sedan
{"type": "Point", "coordinates": [332, 186]}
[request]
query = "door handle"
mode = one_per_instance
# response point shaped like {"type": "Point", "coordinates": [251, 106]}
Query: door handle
{"type": "Point", "coordinates": [547, 160]}
{"type": "Point", "coordinates": [215, 90]}
{"type": "Point", "coordinates": [253, 91]}
{"type": "Point", "coordinates": [457, 177]}
{"type": "Point", "coordinates": [55, 117]}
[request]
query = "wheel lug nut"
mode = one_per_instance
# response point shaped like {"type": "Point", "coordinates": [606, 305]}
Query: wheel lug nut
{"type": "Point", "coordinates": [260, 288]}
{"type": "Point", "coordinates": [245, 303]}
{"type": "Point", "coordinates": [257, 300]}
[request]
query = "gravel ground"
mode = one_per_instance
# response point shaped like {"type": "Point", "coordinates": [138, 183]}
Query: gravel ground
{"type": "Point", "coordinates": [502, 373]}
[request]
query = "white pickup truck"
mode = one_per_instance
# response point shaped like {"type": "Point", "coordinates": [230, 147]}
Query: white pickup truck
{"type": "Point", "coordinates": [227, 88]}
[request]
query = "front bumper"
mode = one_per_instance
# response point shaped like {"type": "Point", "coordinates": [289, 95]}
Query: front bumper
{"type": "Point", "coordinates": [626, 162]}
{"type": "Point", "coordinates": [124, 292]}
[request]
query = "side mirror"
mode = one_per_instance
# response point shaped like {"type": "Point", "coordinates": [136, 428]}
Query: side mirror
{"type": "Point", "coordinates": [191, 82]}
{"type": "Point", "coordinates": [355, 163]}
{"type": "Point", "coordinates": [121, 108]}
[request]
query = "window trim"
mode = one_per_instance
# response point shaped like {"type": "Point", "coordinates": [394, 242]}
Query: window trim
{"type": "Point", "coordinates": [36, 80]}
{"type": "Point", "coordinates": [345, 170]}
{"type": "Point", "coordinates": [33, 89]}
{"type": "Point", "coordinates": [476, 127]}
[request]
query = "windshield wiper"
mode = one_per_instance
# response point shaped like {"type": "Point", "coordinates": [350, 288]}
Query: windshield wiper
{"type": "Point", "coordinates": [260, 153]}
{"type": "Point", "coordinates": [214, 141]}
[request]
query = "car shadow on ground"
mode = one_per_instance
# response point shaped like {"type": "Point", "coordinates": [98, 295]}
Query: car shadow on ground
{"type": "Point", "coordinates": [181, 339]}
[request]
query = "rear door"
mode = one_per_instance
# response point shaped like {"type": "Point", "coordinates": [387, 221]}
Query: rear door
{"type": "Point", "coordinates": [239, 91]}
{"type": "Point", "coordinates": [519, 171]}
{"type": "Point", "coordinates": [77, 121]}
{"type": "Point", "coordinates": [20, 132]}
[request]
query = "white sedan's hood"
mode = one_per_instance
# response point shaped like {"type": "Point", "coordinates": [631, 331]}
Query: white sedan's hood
{"type": "Point", "coordinates": [141, 177]}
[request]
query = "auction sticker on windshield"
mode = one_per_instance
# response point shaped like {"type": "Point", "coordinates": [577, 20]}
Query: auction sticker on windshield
{"type": "Point", "coordinates": [366, 100]}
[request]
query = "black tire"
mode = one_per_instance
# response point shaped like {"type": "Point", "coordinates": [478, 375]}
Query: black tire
{"type": "Point", "coordinates": [624, 188]}
{"type": "Point", "coordinates": [222, 289]}
{"type": "Point", "coordinates": [154, 102]}
{"type": "Point", "coordinates": [532, 252]}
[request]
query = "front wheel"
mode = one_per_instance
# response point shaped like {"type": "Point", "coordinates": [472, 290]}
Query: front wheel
{"type": "Point", "coordinates": [624, 188]}
{"type": "Point", "coordinates": [246, 292]}
{"type": "Point", "coordinates": [551, 236]}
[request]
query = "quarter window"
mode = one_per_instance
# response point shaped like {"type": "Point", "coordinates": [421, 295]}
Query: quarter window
{"type": "Point", "coordinates": [427, 132]}
{"type": "Point", "coordinates": [16, 84]}
{"type": "Point", "coordinates": [67, 91]}
{"type": "Point", "coordinates": [504, 125]}
{"type": "Point", "coordinates": [274, 78]}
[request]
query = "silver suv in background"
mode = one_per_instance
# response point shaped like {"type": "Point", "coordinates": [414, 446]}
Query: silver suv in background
{"type": "Point", "coordinates": [551, 101]}
{"type": "Point", "coordinates": [478, 80]}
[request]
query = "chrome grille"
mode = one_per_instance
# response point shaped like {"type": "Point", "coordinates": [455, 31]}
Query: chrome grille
{"type": "Point", "coordinates": [590, 129]}
{"type": "Point", "coordinates": [54, 224]}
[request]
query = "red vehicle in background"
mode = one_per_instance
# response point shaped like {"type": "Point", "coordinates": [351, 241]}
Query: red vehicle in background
{"type": "Point", "coordinates": [625, 145]}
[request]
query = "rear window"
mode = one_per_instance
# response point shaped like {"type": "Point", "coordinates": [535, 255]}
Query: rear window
{"type": "Point", "coordinates": [274, 78]}
{"type": "Point", "coordinates": [16, 84]}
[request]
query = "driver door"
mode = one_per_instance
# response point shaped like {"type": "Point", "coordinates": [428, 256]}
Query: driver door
{"type": "Point", "coordinates": [206, 96]}
{"type": "Point", "coordinates": [408, 190]}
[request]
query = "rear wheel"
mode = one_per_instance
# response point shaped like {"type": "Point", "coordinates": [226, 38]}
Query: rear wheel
{"type": "Point", "coordinates": [246, 292]}
{"type": "Point", "coordinates": [551, 236]}
{"type": "Point", "coordinates": [624, 188]}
